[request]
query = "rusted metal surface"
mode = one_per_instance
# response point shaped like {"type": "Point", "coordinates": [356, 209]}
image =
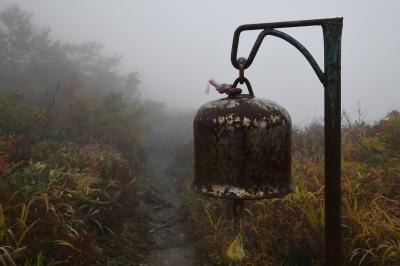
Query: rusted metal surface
{"type": "Point", "coordinates": [242, 148]}
{"type": "Point", "coordinates": [331, 80]}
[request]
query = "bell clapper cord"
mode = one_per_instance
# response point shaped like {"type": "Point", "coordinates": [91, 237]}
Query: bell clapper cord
{"type": "Point", "coordinates": [331, 81]}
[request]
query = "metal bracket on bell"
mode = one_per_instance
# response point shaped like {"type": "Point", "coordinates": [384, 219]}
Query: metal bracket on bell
{"type": "Point", "coordinates": [247, 82]}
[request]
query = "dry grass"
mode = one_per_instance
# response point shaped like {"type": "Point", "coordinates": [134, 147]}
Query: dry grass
{"type": "Point", "coordinates": [77, 207]}
{"type": "Point", "coordinates": [290, 230]}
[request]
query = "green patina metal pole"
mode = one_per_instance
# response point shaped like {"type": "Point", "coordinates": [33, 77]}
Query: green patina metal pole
{"type": "Point", "coordinates": [332, 45]}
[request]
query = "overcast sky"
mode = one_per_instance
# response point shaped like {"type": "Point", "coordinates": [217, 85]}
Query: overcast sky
{"type": "Point", "coordinates": [178, 45]}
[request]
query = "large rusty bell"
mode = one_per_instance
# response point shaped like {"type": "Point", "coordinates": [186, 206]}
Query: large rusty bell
{"type": "Point", "coordinates": [242, 148]}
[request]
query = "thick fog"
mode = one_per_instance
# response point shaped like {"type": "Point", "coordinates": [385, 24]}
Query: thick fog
{"type": "Point", "coordinates": [178, 45]}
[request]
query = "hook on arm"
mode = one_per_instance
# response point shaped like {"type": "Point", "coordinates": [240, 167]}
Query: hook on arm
{"type": "Point", "coordinates": [268, 29]}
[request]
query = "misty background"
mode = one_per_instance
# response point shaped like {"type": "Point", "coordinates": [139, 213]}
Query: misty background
{"type": "Point", "coordinates": [176, 46]}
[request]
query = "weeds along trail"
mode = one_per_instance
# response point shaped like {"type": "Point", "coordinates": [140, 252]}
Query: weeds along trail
{"type": "Point", "coordinates": [290, 230]}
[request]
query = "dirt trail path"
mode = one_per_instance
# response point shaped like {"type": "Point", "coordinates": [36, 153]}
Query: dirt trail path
{"type": "Point", "coordinates": [171, 246]}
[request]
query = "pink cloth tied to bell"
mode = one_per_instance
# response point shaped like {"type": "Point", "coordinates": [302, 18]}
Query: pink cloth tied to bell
{"type": "Point", "coordinates": [221, 88]}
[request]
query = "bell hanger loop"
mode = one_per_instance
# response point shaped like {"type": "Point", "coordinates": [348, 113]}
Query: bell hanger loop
{"type": "Point", "coordinates": [242, 79]}
{"type": "Point", "coordinates": [247, 82]}
{"type": "Point", "coordinates": [241, 61]}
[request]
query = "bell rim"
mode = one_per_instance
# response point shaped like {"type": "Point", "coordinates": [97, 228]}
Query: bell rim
{"type": "Point", "coordinates": [283, 192]}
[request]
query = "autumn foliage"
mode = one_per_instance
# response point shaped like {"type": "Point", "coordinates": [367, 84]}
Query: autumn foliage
{"type": "Point", "coordinates": [70, 152]}
{"type": "Point", "coordinates": [290, 230]}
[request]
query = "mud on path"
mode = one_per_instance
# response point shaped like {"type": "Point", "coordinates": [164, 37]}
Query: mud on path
{"type": "Point", "coordinates": [170, 245]}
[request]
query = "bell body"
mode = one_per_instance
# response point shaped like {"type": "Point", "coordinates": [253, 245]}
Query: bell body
{"type": "Point", "coordinates": [242, 149]}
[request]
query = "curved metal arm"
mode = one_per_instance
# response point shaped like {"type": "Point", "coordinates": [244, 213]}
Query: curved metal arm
{"type": "Point", "coordinates": [283, 36]}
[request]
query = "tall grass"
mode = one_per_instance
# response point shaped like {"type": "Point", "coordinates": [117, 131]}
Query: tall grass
{"type": "Point", "coordinates": [68, 197]}
{"type": "Point", "coordinates": [77, 207]}
{"type": "Point", "coordinates": [290, 230]}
